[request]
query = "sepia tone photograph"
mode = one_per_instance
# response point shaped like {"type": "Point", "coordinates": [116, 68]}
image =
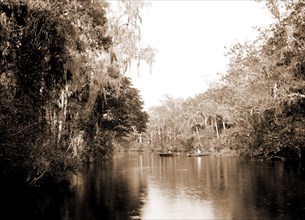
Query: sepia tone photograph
{"type": "Point", "coordinates": [152, 109]}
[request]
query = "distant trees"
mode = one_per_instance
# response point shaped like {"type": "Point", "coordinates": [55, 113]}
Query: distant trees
{"type": "Point", "coordinates": [60, 62]}
{"type": "Point", "coordinates": [179, 124]}
{"type": "Point", "coordinates": [163, 131]}
{"type": "Point", "coordinates": [261, 96]}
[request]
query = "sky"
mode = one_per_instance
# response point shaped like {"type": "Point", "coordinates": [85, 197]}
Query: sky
{"type": "Point", "coordinates": [190, 38]}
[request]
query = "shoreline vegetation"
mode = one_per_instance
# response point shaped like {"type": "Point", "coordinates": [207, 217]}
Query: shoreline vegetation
{"type": "Point", "coordinates": [257, 109]}
{"type": "Point", "coordinates": [224, 152]}
{"type": "Point", "coordinates": [65, 101]}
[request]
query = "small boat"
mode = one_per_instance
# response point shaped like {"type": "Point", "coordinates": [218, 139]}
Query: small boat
{"type": "Point", "coordinates": [197, 153]}
{"type": "Point", "coordinates": [166, 154]}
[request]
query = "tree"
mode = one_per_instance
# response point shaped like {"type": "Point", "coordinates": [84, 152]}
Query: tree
{"type": "Point", "coordinates": [58, 61]}
{"type": "Point", "coordinates": [121, 113]}
{"type": "Point", "coordinates": [271, 75]}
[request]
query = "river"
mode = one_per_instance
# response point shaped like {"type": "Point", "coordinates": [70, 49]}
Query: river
{"type": "Point", "coordinates": [147, 186]}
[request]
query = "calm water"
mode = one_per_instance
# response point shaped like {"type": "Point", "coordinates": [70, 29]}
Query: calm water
{"type": "Point", "coordinates": [146, 186]}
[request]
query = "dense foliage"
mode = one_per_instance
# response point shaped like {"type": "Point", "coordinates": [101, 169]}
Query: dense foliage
{"type": "Point", "coordinates": [257, 110]}
{"type": "Point", "coordinates": [63, 96]}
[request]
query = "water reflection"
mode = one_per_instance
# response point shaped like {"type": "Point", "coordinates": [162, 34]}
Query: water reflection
{"type": "Point", "coordinates": [146, 186]}
{"type": "Point", "coordinates": [112, 190]}
{"type": "Point", "coordinates": [164, 203]}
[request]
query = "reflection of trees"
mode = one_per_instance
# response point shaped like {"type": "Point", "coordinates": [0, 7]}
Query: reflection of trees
{"type": "Point", "coordinates": [108, 191]}
{"type": "Point", "coordinates": [252, 190]}
{"type": "Point", "coordinates": [237, 189]}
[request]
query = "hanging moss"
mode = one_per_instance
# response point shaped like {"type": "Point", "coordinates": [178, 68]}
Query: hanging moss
{"type": "Point", "coordinates": [53, 91]}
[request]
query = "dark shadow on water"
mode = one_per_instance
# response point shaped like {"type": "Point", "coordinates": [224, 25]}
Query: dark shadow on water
{"type": "Point", "coordinates": [31, 203]}
{"type": "Point", "coordinates": [104, 192]}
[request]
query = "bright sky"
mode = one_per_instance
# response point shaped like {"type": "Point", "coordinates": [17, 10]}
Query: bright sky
{"type": "Point", "coordinates": [190, 37]}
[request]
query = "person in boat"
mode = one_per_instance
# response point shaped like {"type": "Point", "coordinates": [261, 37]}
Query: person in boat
{"type": "Point", "coordinates": [198, 151]}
